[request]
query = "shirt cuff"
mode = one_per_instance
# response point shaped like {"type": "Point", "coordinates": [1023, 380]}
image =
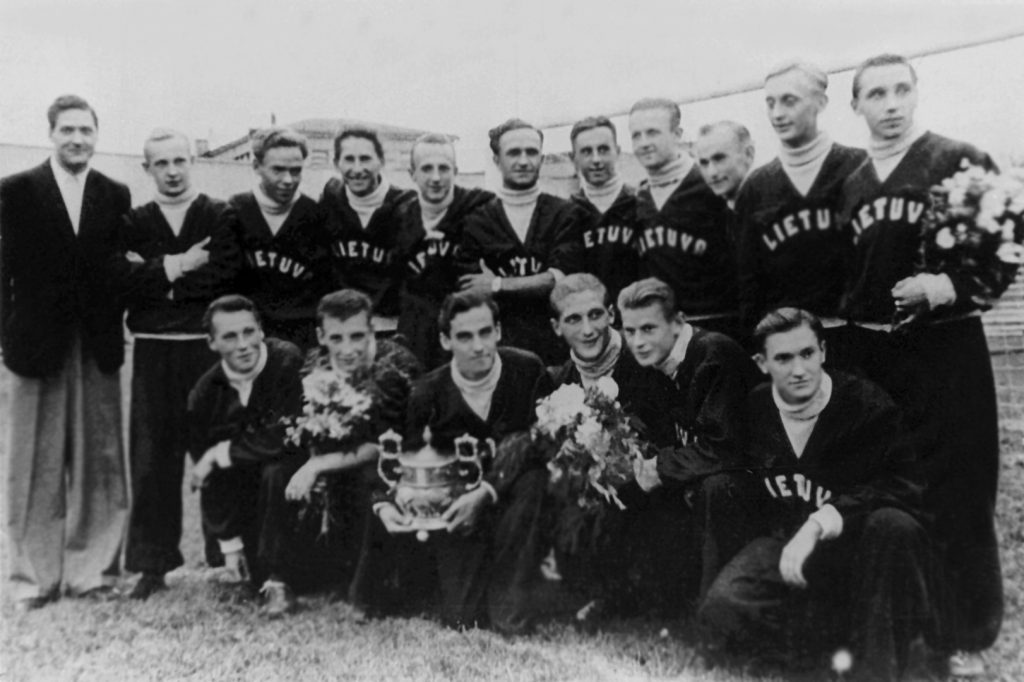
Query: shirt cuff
{"type": "Point", "coordinates": [557, 274]}
{"type": "Point", "coordinates": [221, 454]}
{"type": "Point", "coordinates": [172, 267]}
{"type": "Point", "coordinates": [490, 491]}
{"type": "Point", "coordinates": [830, 520]}
{"type": "Point", "coordinates": [377, 506]}
{"type": "Point", "coordinates": [231, 545]}
{"type": "Point", "coordinates": [938, 288]}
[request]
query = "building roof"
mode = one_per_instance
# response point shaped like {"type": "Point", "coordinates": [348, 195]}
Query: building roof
{"type": "Point", "coordinates": [328, 128]}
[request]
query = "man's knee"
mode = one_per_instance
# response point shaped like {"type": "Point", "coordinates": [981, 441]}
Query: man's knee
{"type": "Point", "coordinates": [893, 526]}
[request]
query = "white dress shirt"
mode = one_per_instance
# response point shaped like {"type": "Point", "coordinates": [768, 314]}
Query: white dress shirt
{"type": "Point", "coordinates": [72, 189]}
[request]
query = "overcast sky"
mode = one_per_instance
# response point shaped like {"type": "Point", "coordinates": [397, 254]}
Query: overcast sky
{"type": "Point", "coordinates": [218, 67]}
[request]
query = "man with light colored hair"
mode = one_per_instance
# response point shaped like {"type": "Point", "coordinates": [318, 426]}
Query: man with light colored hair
{"type": "Point", "coordinates": [182, 256]}
{"type": "Point", "coordinates": [429, 231]}
{"type": "Point", "coordinates": [684, 238]}
{"type": "Point", "coordinates": [792, 251]}
{"type": "Point", "coordinates": [284, 239]}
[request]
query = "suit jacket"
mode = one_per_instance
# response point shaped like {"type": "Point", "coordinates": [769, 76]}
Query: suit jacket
{"type": "Point", "coordinates": [53, 283]}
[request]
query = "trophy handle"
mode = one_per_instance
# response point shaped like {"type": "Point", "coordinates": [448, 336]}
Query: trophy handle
{"type": "Point", "coordinates": [390, 448]}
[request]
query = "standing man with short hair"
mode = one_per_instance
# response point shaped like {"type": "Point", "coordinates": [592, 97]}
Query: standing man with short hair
{"type": "Point", "coordinates": [516, 246]}
{"type": "Point", "coordinates": [184, 258]}
{"type": "Point", "coordinates": [939, 371]}
{"type": "Point", "coordinates": [363, 212]}
{"type": "Point", "coordinates": [725, 153]}
{"type": "Point", "coordinates": [430, 232]}
{"type": "Point", "coordinates": [793, 251]}
{"type": "Point", "coordinates": [610, 232]}
{"type": "Point", "coordinates": [63, 341]}
{"type": "Point", "coordinates": [684, 239]}
{"type": "Point", "coordinates": [284, 240]}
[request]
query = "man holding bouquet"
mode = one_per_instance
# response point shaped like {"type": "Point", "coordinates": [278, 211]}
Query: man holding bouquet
{"type": "Point", "coordinates": [936, 365]}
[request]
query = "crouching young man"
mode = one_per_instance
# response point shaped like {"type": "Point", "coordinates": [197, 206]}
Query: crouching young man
{"type": "Point", "coordinates": [837, 556]}
{"type": "Point", "coordinates": [488, 560]}
{"type": "Point", "coordinates": [710, 377]}
{"type": "Point", "coordinates": [237, 437]}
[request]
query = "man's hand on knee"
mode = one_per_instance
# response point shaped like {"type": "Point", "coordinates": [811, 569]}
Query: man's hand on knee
{"type": "Point", "coordinates": [796, 552]}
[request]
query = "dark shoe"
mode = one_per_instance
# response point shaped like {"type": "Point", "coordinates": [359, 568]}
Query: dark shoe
{"type": "Point", "coordinates": [280, 600]}
{"type": "Point", "coordinates": [148, 584]}
{"type": "Point", "coordinates": [30, 604]}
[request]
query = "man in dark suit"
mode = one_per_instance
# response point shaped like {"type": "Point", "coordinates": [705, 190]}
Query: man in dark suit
{"type": "Point", "coordinates": [63, 341]}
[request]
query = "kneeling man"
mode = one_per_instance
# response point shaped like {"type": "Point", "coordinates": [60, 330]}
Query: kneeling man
{"type": "Point", "coordinates": [488, 562]}
{"type": "Point", "coordinates": [237, 437]}
{"type": "Point", "coordinates": [837, 548]}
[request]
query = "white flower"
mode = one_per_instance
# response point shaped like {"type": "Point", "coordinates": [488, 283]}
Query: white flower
{"type": "Point", "coordinates": [1011, 252]}
{"type": "Point", "coordinates": [608, 386]}
{"type": "Point", "coordinates": [945, 239]}
{"type": "Point", "coordinates": [588, 432]}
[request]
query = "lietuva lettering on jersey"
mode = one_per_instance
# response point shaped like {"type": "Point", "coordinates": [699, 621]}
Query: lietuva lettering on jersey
{"type": "Point", "coordinates": [612, 234]}
{"type": "Point", "coordinates": [890, 209]}
{"type": "Point", "coordinates": [654, 237]}
{"type": "Point", "coordinates": [793, 224]}
{"type": "Point", "coordinates": [521, 266]}
{"type": "Point", "coordinates": [433, 248]}
{"type": "Point", "coordinates": [272, 260]}
{"type": "Point", "coordinates": [359, 250]}
{"type": "Point", "coordinates": [797, 485]}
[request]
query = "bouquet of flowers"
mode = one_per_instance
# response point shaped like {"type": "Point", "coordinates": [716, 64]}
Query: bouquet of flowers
{"type": "Point", "coordinates": [333, 413]}
{"type": "Point", "coordinates": [975, 223]}
{"type": "Point", "coordinates": [594, 443]}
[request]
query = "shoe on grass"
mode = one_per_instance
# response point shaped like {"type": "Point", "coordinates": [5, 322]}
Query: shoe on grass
{"type": "Point", "coordinates": [102, 593]}
{"type": "Point", "coordinates": [966, 664]}
{"type": "Point", "coordinates": [30, 604]}
{"type": "Point", "coordinates": [148, 585]}
{"type": "Point", "coordinates": [280, 600]}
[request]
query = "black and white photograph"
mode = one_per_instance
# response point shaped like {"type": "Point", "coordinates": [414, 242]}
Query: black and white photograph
{"type": "Point", "coordinates": [512, 340]}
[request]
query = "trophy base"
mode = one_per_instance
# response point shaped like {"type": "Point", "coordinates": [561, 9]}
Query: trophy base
{"type": "Point", "coordinates": [423, 525]}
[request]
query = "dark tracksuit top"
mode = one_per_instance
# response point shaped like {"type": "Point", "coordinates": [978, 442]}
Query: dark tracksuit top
{"type": "Point", "coordinates": [884, 220]}
{"type": "Point", "coordinates": [687, 245]}
{"type": "Point", "coordinates": [552, 241]}
{"type": "Point", "coordinates": [157, 306]}
{"type": "Point", "coordinates": [429, 270]}
{"type": "Point", "coordinates": [793, 251]}
{"type": "Point", "coordinates": [284, 274]}
{"type": "Point", "coordinates": [712, 383]}
{"type": "Point", "coordinates": [610, 241]}
{"type": "Point", "coordinates": [363, 258]}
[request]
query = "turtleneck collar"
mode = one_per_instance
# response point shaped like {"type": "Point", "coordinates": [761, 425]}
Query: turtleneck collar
{"type": "Point", "coordinates": [592, 370]}
{"type": "Point", "coordinates": [816, 149]}
{"type": "Point", "coordinates": [672, 173]}
{"type": "Point", "coordinates": [364, 206]}
{"type": "Point", "coordinates": [880, 150]}
{"type": "Point", "coordinates": [432, 212]}
{"type": "Point", "coordinates": [184, 199]}
{"type": "Point", "coordinates": [479, 393]}
{"type": "Point", "coordinates": [604, 196]}
{"type": "Point", "coordinates": [810, 408]}
{"type": "Point", "coordinates": [519, 197]}
{"type": "Point", "coordinates": [670, 365]}
{"type": "Point", "coordinates": [272, 207]}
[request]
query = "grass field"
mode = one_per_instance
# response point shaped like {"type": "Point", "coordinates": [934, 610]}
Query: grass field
{"type": "Point", "coordinates": [197, 630]}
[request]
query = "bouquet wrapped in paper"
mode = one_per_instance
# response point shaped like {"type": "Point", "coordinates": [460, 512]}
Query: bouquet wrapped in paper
{"type": "Point", "coordinates": [974, 227]}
